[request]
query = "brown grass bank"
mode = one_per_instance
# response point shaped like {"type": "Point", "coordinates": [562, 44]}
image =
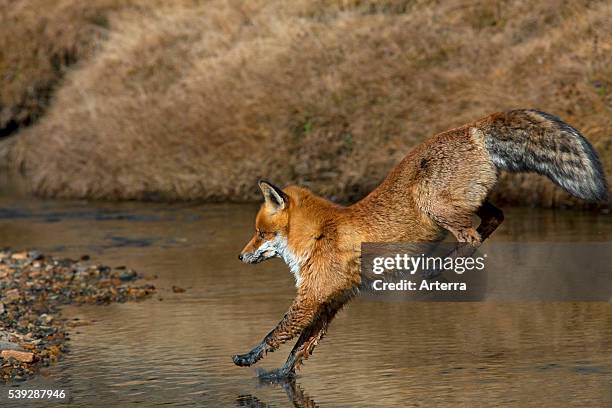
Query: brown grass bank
{"type": "Point", "coordinates": [196, 100]}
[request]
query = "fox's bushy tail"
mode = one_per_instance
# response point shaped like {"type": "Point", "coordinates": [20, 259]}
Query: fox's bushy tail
{"type": "Point", "coordinates": [534, 141]}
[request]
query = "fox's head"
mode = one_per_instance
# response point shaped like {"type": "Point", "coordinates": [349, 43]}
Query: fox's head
{"type": "Point", "coordinates": [290, 224]}
{"type": "Point", "coordinates": [271, 228]}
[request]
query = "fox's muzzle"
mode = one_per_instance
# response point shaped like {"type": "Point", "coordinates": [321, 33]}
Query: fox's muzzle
{"type": "Point", "coordinates": [246, 257]}
{"type": "Point", "coordinates": [264, 250]}
{"type": "Point", "coordinates": [253, 258]}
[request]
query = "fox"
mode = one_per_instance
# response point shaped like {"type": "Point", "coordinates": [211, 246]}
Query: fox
{"type": "Point", "coordinates": [437, 189]}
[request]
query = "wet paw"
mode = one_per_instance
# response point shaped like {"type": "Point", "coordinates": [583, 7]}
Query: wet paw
{"type": "Point", "coordinates": [277, 375]}
{"type": "Point", "coordinates": [245, 360]}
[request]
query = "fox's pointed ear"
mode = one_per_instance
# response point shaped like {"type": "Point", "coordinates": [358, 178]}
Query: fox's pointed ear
{"type": "Point", "coordinates": [274, 196]}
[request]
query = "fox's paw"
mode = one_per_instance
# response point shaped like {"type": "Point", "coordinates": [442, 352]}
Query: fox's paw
{"type": "Point", "coordinates": [250, 358]}
{"type": "Point", "coordinates": [275, 376]}
{"type": "Point", "coordinates": [469, 236]}
{"type": "Point", "coordinates": [244, 360]}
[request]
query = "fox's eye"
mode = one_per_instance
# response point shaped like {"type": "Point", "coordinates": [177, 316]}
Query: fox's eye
{"type": "Point", "coordinates": [262, 234]}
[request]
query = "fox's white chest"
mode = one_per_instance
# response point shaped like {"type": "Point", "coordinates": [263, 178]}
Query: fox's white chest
{"type": "Point", "coordinates": [292, 261]}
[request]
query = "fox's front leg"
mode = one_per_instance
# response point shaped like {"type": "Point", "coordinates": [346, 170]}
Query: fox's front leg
{"type": "Point", "coordinates": [299, 316]}
{"type": "Point", "coordinates": [305, 345]}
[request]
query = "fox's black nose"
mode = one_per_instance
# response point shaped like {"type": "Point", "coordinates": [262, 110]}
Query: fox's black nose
{"type": "Point", "coordinates": [240, 257]}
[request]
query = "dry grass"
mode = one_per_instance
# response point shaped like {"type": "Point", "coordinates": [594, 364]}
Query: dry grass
{"type": "Point", "coordinates": [198, 100]}
{"type": "Point", "coordinates": [39, 41]}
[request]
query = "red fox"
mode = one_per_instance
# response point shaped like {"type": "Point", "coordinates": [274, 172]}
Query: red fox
{"type": "Point", "coordinates": [437, 187]}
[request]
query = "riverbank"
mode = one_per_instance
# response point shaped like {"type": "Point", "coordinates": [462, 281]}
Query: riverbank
{"type": "Point", "coordinates": [194, 101]}
{"type": "Point", "coordinates": [33, 287]}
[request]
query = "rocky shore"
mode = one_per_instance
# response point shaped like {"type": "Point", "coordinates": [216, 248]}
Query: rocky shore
{"type": "Point", "coordinates": [33, 286]}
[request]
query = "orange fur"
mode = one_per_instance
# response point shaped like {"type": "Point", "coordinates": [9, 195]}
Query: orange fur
{"type": "Point", "coordinates": [439, 186]}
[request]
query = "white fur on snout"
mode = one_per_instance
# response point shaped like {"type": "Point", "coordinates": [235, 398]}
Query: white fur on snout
{"type": "Point", "coordinates": [278, 247]}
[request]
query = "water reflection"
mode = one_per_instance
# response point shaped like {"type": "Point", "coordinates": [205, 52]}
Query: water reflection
{"type": "Point", "coordinates": [296, 395]}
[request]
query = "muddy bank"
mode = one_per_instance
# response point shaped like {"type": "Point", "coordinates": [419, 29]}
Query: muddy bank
{"type": "Point", "coordinates": [33, 286]}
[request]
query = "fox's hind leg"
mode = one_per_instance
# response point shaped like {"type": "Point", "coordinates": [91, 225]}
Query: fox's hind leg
{"type": "Point", "coordinates": [461, 226]}
{"type": "Point", "coordinates": [458, 221]}
{"type": "Point", "coordinates": [469, 239]}
{"type": "Point", "coordinates": [491, 217]}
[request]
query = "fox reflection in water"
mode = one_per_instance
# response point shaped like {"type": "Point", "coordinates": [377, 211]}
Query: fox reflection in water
{"type": "Point", "coordinates": [297, 397]}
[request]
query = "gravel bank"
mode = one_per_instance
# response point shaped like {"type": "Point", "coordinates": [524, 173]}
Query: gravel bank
{"type": "Point", "coordinates": [33, 286]}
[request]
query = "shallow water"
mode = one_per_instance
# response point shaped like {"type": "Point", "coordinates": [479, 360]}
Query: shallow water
{"type": "Point", "coordinates": [175, 348]}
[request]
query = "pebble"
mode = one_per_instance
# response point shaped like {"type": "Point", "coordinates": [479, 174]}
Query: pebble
{"type": "Point", "coordinates": [7, 345]}
{"type": "Point", "coordinates": [35, 255]}
{"type": "Point", "coordinates": [22, 356]}
{"type": "Point", "coordinates": [128, 275]}
{"type": "Point", "coordinates": [19, 256]}
{"type": "Point", "coordinates": [34, 286]}
{"type": "Point", "coordinates": [12, 295]}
